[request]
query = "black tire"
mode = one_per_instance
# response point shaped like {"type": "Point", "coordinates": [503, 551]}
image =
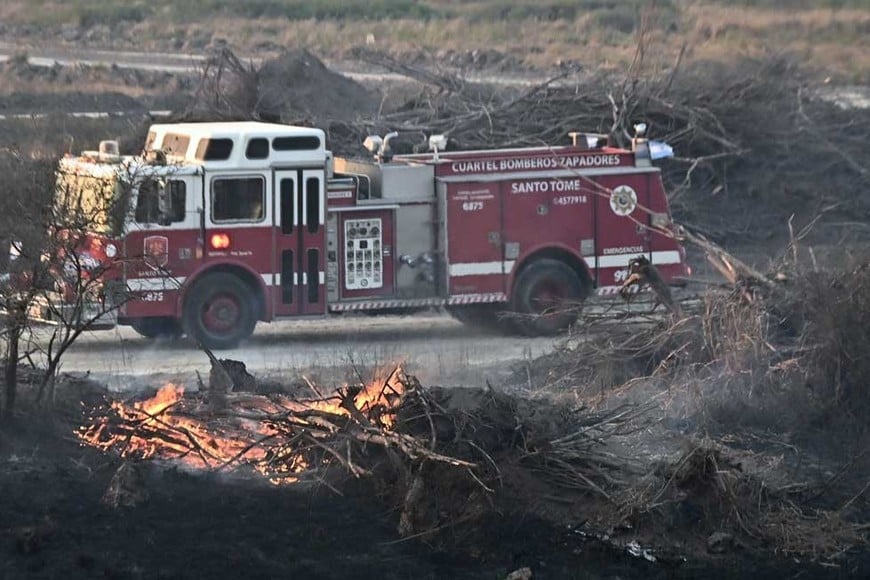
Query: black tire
{"type": "Point", "coordinates": [157, 327]}
{"type": "Point", "coordinates": [220, 311]}
{"type": "Point", "coordinates": [492, 317]}
{"type": "Point", "coordinates": [547, 295]}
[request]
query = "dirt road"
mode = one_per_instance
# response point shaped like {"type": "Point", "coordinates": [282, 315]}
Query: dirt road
{"type": "Point", "coordinates": [192, 63]}
{"type": "Point", "coordinates": [435, 347]}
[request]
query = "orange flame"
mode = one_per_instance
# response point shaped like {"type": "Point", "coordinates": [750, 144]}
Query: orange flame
{"type": "Point", "coordinates": [166, 396]}
{"type": "Point", "coordinates": [169, 426]}
{"type": "Point", "coordinates": [149, 428]}
{"type": "Point", "coordinates": [374, 400]}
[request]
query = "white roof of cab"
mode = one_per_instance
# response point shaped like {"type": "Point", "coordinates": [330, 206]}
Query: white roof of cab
{"type": "Point", "coordinates": [238, 128]}
{"type": "Point", "coordinates": [241, 132]}
{"type": "Point", "coordinates": [187, 163]}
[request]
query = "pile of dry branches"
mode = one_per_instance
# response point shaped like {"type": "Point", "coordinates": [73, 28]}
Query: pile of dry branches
{"type": "Point", "coordinates": [711, 501]}
{"type": "Point", "coordinates": [443, 457]}
{"type": "Point", "coordinates": [796, 327]}
{"type": "Point", "coordinates": [293, 87]}
{"type": "Point", "coordinates": [753, 135]}
{"type": "Point", "coordinates": [781, 353]}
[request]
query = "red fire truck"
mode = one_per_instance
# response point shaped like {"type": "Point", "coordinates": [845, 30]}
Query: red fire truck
{"type": "Point", "coordinates": [228, 224]}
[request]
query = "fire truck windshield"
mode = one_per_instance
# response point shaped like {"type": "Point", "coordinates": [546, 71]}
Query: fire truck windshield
{"type": "Point", "coordinates": [160, 201]}
{"type": "Point", "coordinates": [96, 203]}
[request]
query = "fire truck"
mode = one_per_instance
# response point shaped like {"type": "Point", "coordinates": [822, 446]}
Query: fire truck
{"type": "Point", "coordinates": [232, 223]}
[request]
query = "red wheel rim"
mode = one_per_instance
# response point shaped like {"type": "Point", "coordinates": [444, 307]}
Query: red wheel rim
{"type": "Point", "coordinates": [221, 313]}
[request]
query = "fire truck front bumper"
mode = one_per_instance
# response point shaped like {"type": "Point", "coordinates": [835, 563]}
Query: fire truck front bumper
{"type": "Point", "coordinates": [91, 315]}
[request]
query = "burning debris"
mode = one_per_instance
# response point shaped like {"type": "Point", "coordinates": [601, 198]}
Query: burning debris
{"type": "Point", "coordinates": [444, 457]}
{"type": "Point", "coordinates": [159, 427]}
{"type": "Point", "coordinates": [276, 435]}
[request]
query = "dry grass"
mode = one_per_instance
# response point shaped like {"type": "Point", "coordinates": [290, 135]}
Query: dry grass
{"type": "Point", "coordinates": [787, 357]}
{"type": "Point", "coordinates": [833, 41]}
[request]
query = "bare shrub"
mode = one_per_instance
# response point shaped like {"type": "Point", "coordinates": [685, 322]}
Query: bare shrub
{"type": "Point", "coordinates": [796, 355]}
{"type": "Point", "coordinates": [783, 351]}
{"type": "Point", "coordinates": [24, 207]}
{"type": "Point", "coordinates": [831, 311]}
{"type": "Point", "coordinates": [50, 269]}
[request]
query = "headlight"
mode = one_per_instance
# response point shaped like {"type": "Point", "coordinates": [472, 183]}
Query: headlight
{"type": "Point", "coordinates": [111, 250]}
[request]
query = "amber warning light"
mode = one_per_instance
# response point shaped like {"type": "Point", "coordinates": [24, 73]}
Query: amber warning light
{"type": "Point", "coordinates": [219, 241]}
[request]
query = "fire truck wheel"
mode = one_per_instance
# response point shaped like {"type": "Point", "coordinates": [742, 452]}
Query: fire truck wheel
{"type": "Point", "coordinates": [154, 327]}
{"type": "Point", "coordinates": [219, 311]}
{"type": "Point", "coordinates": [546, 294]}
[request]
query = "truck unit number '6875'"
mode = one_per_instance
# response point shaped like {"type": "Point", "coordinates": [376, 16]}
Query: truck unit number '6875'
{"type": "Point", "coordinates": [151, 297]}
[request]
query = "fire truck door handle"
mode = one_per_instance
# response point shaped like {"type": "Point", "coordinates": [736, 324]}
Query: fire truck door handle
{"type": "Point", "coordinates": [494, 238]}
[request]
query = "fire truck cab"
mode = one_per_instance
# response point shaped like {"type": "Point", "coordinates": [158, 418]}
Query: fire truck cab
{"type": "Point", "coordinates": [233, 223]}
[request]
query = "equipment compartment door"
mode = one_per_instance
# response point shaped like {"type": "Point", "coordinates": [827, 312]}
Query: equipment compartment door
{"type": "Point", "coordinates": [621, 227]}
{"type": "Point", "coordinates": [300, 239]}
{"type": "Point", "coordinates": [475, 251]}
{"type": "Point", "coordinates": [366, 239]}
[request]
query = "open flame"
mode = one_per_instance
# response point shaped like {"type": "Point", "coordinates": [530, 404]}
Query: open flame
{"type": "Point", "coordinates": [252, 430]}
{"type": "Point", "coordinates": [157, 427]}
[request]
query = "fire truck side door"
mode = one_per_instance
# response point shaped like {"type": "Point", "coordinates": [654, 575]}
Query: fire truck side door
{"type": "Point", "coordinates": [475, 249]}
{"type": "Point", "coordinates": [161, 255]}
{"type": "Point", "coordinates": [300, 236]}
{"type": "Point", "coordinates": [312, 241]}
{"type": "Point", "coordinates": [620, 230]}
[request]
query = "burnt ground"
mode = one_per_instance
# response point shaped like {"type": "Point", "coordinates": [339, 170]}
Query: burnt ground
{"type": "Point", "coordinates": [195, 525]}
{"type": "Point", "coordinates": [203, 526]}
